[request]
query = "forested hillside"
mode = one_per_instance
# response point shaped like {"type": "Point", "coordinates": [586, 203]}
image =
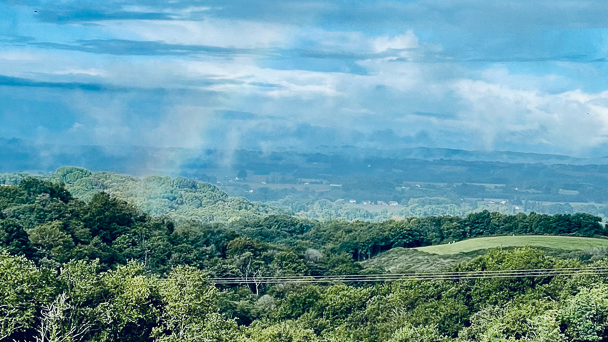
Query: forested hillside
{"type": "Point", "coordinates": [179, 198]}
{"type": "Point", "coordinates": [104, 270]}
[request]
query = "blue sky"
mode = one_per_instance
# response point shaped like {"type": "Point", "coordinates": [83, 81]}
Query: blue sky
{"type": "Point", "coordinates": [473, 74]}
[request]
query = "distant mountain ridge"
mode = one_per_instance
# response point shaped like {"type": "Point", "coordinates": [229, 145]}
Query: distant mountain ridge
{"type": "Point", "coordinates": [437, 153]}
{"type": "Point", "coordinates": [22, 155]}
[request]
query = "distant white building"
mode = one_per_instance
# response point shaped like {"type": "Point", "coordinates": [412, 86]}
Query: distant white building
{"type": "Point", "coordinates": [393, 203]}
{"type": "Point", "coordinates": [352, 201]}
{"type": "Point", "coordinates": [381, 203]}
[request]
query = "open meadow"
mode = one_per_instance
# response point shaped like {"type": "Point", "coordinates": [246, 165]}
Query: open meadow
{"type": "Point", "coordinates": [569, 243]}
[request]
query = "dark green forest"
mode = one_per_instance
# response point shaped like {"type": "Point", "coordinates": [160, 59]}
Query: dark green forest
{"type": "Point", "coordinates": [99, 268]}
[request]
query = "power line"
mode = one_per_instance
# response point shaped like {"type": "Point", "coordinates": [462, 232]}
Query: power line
{"type": "Point", "coordinates": [434, 273]}
{"type": "Point", "coordinates": [421, 276]}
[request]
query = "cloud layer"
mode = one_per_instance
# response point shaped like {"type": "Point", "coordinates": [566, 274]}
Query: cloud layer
{"type": "Point", "coordinates": [517, 75]}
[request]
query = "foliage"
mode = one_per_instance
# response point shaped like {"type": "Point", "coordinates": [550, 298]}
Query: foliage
{"type": "Point", "coordinates": [179, 198]}
{"type": "Point", "coordinates": [104, 270]}
{"type": "Point", "coordinates": [21, 294]}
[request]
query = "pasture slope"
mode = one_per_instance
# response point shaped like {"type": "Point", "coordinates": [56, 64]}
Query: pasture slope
{"type": "Point", "coordinates": [440, 257]}
{"type": "Point", "coordinates": [402, 260]}
{"type": "Point", "coordinates": [569, 243]}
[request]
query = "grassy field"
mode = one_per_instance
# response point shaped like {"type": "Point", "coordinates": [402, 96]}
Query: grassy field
{"type": "Point", "coordinates": [554, 242]}
{"type": "Point", "coordinates": [439, 257]}
{"type": "Point", "coordinates": [401, 260]}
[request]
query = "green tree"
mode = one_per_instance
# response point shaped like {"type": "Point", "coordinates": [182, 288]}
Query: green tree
{"type": "Point", "coordinates": [287, 264]}
{"type": "Point", "coordinates": [586, 314]}
{"type": "Point", "coordinates": [131, 306]}
{"type": "Point", "coordinates": [190, 311]}
{"type": "Point", "coordinates": [59, 323]}
{"type": "Point", "coordinates": [52, 241]}
{"type": "Point", "coordinates": [15, 239]}
{"type": "Point", "coordinates": [287, 331]}
{"type": "Point", "coordinates": [23, 290]}
{"type": "Point", "coordinates": [422, 333]}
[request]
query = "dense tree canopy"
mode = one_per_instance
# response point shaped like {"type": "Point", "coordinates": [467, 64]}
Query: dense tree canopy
{"type": "Point", "coordinates": [105, 270]}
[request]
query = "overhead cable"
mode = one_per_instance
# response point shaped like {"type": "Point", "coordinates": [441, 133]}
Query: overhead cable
{"type": "Point", "coordinates": [460, 275]}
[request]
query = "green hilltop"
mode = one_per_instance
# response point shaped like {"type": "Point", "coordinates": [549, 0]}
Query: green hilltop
{"type": "Point", "coordinates": [179, 198]}
{"type": "Point", "coordinates": [438, 257]}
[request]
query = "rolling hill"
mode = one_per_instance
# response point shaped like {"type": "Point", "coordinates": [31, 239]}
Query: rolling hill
{"type": "Point", "coordinates": [439, 257]}
{"type": "Point", "coordinates": [179, 198]}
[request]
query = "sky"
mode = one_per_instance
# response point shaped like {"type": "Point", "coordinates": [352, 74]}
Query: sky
{"type": "Point", "coordinates": [516, 75]}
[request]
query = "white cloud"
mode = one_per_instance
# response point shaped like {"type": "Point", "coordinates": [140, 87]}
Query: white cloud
{"type": "Point", "coordinates": [175, 13]}
{"type": "Point", "coordinates": [408, 40]}
{"type": "Point", "coordinates": [572, 122]}
{"type": "Point", "coordinates": [77, 127]}
{"type": "Point", "coordinates": [336, 41]}
{"type": "Point", "coordinates": [265, 82]}
{"type": "Point", "coordinates": [211, 31]}
{"type": "Point", "coordinates": [20, 56]}
{"type": "Point", "coordinates": [80, 72]}
{"type": "Point", "coordinates": [545, 82]}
